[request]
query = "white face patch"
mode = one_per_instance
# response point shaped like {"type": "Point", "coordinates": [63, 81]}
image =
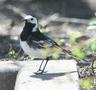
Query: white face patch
{"type": "Point", "coordinates": [28, 17]}
{"type": "Point", "coordinates": [31, 19]}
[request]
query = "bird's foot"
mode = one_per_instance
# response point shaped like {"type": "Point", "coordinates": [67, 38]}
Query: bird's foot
{"type": "Point", "coordinates": [40, 72]}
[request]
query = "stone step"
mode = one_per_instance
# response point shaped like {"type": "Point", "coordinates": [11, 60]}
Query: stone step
{"type": "Point", "coordinates": [60, 75]}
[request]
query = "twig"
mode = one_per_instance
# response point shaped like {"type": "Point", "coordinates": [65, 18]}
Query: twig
{"type": "Point", "coordinates": [92, 65]}
{"type": "Point", "coordinates": [18, 53]}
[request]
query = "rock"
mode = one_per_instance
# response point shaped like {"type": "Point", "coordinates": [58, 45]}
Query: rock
{"type": "Point", "coordinates": [8, 72]}
{"type": "Point", "coordinates": [60, 75]}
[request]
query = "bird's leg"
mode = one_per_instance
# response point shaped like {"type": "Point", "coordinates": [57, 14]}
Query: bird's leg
{"type": "Point", "coordinates": [40, 71]}
{"type": "Point", "coordinates": [47, 59]}
{"type": "Point", "coordinates": [40, 66]}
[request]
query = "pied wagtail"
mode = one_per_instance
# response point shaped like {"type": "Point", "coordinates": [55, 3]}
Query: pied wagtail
{"type": "Point", "coordinates": [34, 43]}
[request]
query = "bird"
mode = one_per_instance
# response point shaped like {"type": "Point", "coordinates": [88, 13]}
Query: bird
{"type": "Point", "coordinates": [34, 43]}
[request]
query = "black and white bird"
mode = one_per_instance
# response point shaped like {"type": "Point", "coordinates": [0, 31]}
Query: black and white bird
{"type": "Point", "coordinates": [34, 43]}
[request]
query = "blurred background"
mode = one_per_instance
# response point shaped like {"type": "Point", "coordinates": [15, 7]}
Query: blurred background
{"type": "Point", "coordinates": [60, 17]}
{"type": "Point", "coordinates": [71, 23]}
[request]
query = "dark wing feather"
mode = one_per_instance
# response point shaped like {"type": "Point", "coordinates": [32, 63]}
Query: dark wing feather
{"type": "Point", "coordinates": [38, 43]}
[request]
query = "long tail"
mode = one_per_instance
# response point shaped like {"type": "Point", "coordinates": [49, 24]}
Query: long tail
{"type": "Point", "coordinates": [70, 54]}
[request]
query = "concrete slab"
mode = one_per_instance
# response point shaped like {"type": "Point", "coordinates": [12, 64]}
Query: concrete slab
{"type": "Point", "coordinates": [8, 73]}
{"type": "Point", "coordinates": [60, 75]}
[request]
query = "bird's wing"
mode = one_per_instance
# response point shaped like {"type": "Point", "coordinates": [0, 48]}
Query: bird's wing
{"type": "Point", "coordinates": [44, 43]}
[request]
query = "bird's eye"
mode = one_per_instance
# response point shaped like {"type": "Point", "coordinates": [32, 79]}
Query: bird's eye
{"type": "Point", "coordinates": [31, 18]}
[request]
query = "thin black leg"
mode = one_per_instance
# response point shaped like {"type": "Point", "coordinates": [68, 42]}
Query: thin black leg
{"type": "Point", "coordinates": [40, 66]}
{"type": "Point", "coordinates": [40, 71]}
{"type": "Point", "coordinates": [45, 65]}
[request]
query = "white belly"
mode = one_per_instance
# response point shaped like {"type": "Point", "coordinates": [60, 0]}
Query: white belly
{"type": "Point", "coordinates": [30, 51]}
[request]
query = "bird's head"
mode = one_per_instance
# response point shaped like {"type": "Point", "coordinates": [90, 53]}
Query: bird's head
{"type": "Point", "coordinates": [30, 19]}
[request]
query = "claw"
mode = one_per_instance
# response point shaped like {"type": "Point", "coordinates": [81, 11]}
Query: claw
{"type": "Point", "coordinates": [39, 72]}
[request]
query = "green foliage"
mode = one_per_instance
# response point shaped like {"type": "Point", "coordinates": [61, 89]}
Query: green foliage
{"type": "Point", "coordinates": [74, 36]}
{"type": "Point", "coordinates": [86, 84]}
{"type": "Point", "coordinates": [55, 56]}
{"type": "Point", "coordinates": [76, 51]}
{"type": "Point", "coordinates": [93, 45]}
{"type": "Point", "coordinates": [59, 41]}
{"type": "Point", "coordinates": [42, 26]}
{"type": "Point", "coordinates": [12, 53]}
{"type": "Point", "coordinates": [76, 48]}
{"type": "Point", "coordinates": [92, 24]}
{"type": "Point", "coordinates": [92, 21]}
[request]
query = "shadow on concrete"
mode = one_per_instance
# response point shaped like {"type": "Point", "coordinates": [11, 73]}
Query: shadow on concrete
{"type": "Point", "coordinates": [49, 76]}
